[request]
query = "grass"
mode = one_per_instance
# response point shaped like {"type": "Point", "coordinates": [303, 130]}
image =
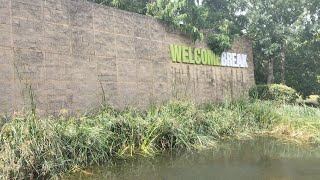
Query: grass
{"type": "Point", "coordinates": [46, 147]}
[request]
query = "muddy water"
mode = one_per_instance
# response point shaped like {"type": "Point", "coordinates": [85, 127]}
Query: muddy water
{"type": "Point", "coordinates": [262, 158]}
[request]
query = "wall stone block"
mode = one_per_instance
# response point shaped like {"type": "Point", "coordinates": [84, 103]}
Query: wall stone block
{"type": "Point", "coordinates": [31, 9]}
{"type": "Point", "coordinates": [7, 98]}
{"type": "Point", "coordinates": [124, 23]}
{"type": "Point", "coordinates": [125, 47]}
{"type": "Point", "coordinates": [5, 7]}
{"type": "Point", "coordinates": [127, 70]}
{"type": "Point", "coordinates": [105, 44]}
{"type": "Point", "coordinates": [107, 69]}
{"type": "Point", "coordinates": [81, 14]}
{"type": "Point", "coordinates": [143, 49]}
{"type": "Point", "coordinates": [144, 94]}
{"type": "Point", "coordinates": [5, 24]}
{"type": "Point", "coordinates": [158, 51]}
{"type": "Point", "coordinates": [82, 42]}
{"type": "Point", "coordinates": [144, 71]}
{"type": "Point", "coordinates": [108, 92]}
{"type": "Point", "coordinates": [157, 30]}
{"type": "Point", "coordinates": [160, 72]}
{"type": "Point", "coordinates": [161, 92]}
{"type": "Point", "coordinates": [127, 94]}
{"type": "Point", "coordinates": [103, 19]}
{"type": "Point", "coordinates": [57, 38]}
{"type": "Point", "coordinates": [142, 27]}
{"type": "Point", "coordinates": [56, 11]}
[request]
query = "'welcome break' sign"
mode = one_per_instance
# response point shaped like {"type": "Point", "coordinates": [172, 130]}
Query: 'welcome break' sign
{"type": "Point", "coordinates": [189, 55]}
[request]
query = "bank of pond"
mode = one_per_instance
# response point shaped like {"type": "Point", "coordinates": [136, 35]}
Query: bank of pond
{"type": "Point", "coordinates": [49, 147]}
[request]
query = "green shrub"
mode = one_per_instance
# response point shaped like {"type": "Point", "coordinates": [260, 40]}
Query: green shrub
{"type": "Point", "coordinates": [274, 92]}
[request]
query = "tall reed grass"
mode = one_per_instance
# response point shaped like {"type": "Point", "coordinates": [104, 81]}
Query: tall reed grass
{"type": "Point", "coordinates": [37, 147]}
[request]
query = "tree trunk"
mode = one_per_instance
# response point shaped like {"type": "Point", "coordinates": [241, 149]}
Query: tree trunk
{"type": "Point", "coordinates": [270, 71]}
{"type": "Point", "coordinates": [283, 65]}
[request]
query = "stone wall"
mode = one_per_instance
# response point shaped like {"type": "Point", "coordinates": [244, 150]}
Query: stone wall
{"type": "Point", "coordinates": [75, 54]}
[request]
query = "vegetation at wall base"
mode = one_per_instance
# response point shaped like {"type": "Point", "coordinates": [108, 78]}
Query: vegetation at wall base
{"type": "Point", "coordinates": [46, 147]}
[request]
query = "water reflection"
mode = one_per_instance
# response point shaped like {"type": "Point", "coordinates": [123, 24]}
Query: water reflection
{"type": "Point", "coordinates": [262, 158]}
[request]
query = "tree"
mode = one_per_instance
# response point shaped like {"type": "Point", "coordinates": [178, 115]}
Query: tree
{"type": "Point", "coordinates": [286, 43]}
{"type": "Point", "coordinates": [271, 24]}
{"type": "Point", "coordinates": [304, 47]}
{"type": "Point", "coordinates": [224, 21]}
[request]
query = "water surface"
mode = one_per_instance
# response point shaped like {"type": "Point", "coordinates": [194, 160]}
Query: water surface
{"type": "Point", "coordinates": [262, 158]}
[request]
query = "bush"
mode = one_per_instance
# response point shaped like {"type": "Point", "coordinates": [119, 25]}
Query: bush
{"type": "Point", "coordinates": [274, 92]}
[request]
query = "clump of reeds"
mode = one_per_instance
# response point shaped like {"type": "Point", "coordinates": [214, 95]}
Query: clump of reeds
{"type": "Point", "coordinates": [42, 147]}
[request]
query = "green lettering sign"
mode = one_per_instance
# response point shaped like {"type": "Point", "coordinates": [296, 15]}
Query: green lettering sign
{"type": "Point", "coordinates": [185, 54]}
{"type": "Point", "coordinates": [204, 57]}
{"type": "Point", "coordinates": [191, 60]}
{"type": "Point", "coordinates": [210, 58]}
{"type": "Point", "coordinates": [175, 53]}
{"type": "Point", "coordinates": [197, 57]}
{"type": "Point", "coordinates": [189, 55]}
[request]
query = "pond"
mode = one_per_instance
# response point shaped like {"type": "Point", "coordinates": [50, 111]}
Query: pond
{"type": "Point", "coordinates": [261, 158]}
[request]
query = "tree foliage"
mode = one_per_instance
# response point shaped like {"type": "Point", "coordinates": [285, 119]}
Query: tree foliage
{"type": "Point", "coordinates": [303, 68]}
{"type": "Point", "coordinates": [286, 31]}
{"type": "Point", "coordinates": [138, 6]}
{"type": "Point", "coordinates": [182, 15]}
{"type": "Point", "coordinates": [225, 20]}
{"type": "Point", "coordinates": [218, 21]}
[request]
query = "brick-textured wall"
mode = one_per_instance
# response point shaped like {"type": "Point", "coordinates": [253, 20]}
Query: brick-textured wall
{"type": "Point", "coordinates": [70, 51]}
